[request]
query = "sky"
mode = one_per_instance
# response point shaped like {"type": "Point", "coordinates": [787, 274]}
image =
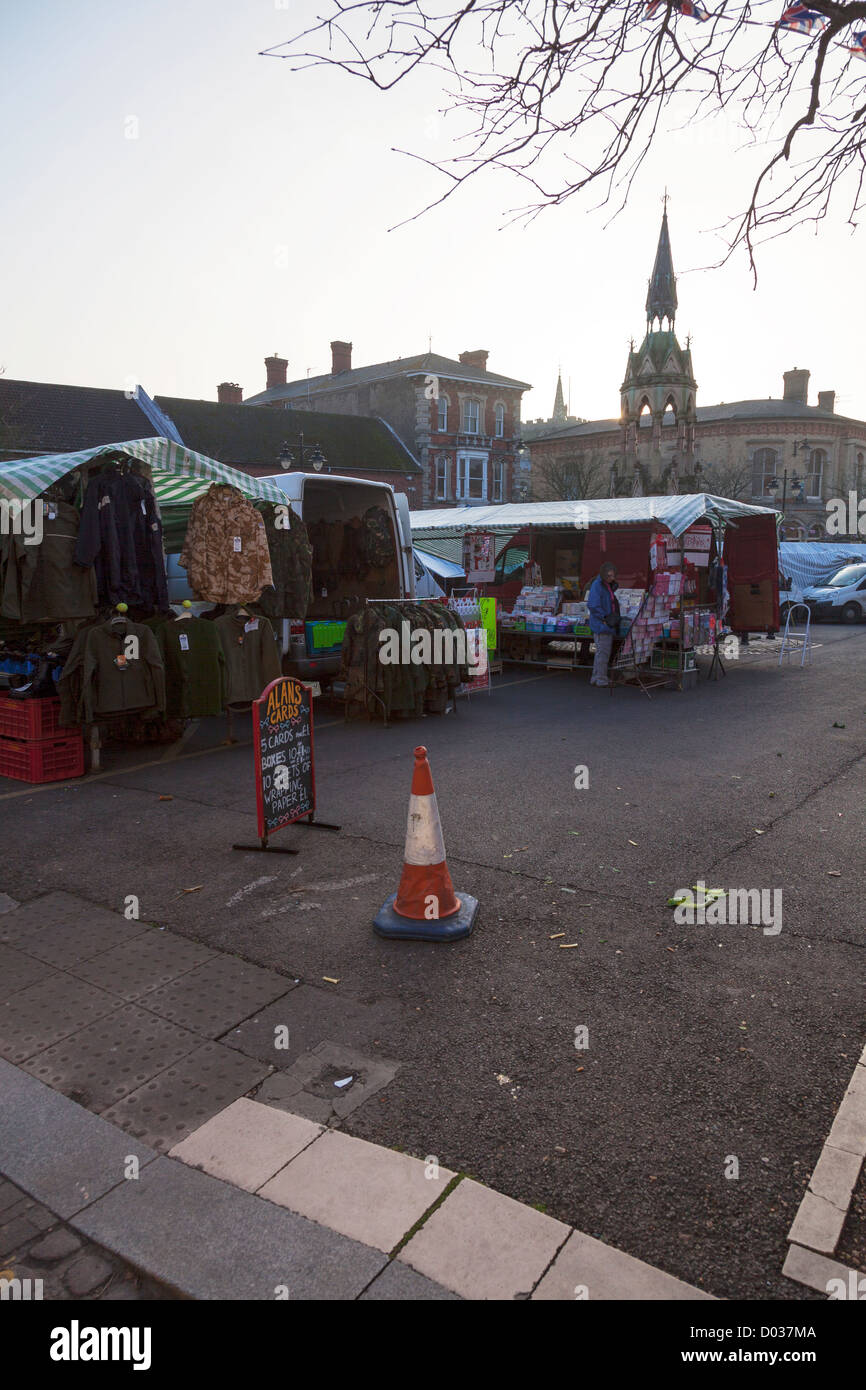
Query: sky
{"type": "Point", "coordinates": [177, 208]}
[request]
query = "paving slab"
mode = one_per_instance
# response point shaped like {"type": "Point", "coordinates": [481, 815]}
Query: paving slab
{"type": "Point", "coordinates": [309, 1087]}
{"type": "Point", "coordinates": [43, 1013]}
{"type": "Point", "coordinates": [209, 1240]}
{"type": "Point", "coordinates": [363, 1190]}
{"type": "Point", "coordinates": [51, 910]}
{"type": "Point", "coordinates": [217, 995]}
{"type": "Point", "coordinates": [818, 1224]}
{"type": "Point", "coordinates": [816, 1271]}
{"type": "Point", "coordinates": [7, 904]}
{"type": "Point", "coordinates": [247, 1143]}
{"type": "Point", "coordinates": [82, 933]}
{"type": "Point", "coordinates": [61, 1154]}
{"type": "Point", "coordinates": [102, 1062]}
{"type": "Point", "coordinates": [311, 1015]}
{"type": "Point", "coordinates": [587, 1268]}
{"type": "Point", "coordinates": [399, 1284]}
{"type": "Point", "coordinates": [179, 1100]}
{"type": "Point", "coordinates": [150, 960]}
{"type": "Point", "coordinates": [483, 1245]}
{"type": "Point", "coordinates": [18, 970]}
{"type": "Point", "coordinates": [835, 1176]}
{"type": "Point", "coordinates": [848, 1130]}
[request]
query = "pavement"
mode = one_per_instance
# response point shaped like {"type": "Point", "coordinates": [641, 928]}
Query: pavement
{"type": "Point", "coordinates": [701, 1046]}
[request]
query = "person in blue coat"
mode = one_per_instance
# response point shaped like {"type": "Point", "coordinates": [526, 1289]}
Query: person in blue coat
{"type": "Point", "coordinates": [603, 620]}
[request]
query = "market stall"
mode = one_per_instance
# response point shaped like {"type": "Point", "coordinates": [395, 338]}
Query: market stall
{"type": "Point", "coordinates": [88, 640]}
{"type": "Point", "coordinates": [691, 570]}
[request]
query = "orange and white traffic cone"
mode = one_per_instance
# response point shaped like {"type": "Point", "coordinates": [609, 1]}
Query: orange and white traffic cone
{"type": "Point", "coordinates": [425, 906]}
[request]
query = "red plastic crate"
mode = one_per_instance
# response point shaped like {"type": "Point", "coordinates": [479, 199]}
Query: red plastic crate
{"type": "Point", "coordinates": [43, 759]}
{"type": "Point", "coordinates": [31, 718]}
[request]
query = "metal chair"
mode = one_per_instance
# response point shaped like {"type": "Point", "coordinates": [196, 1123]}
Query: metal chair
{"type": "Point", "coordinates": [794, 641]}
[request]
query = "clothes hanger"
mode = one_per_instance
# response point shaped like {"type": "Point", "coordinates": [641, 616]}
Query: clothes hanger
{"type": "Point", "coordinates": [120, 615]}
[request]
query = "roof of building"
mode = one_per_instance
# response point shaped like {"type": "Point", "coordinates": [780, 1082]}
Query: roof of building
{"type": "Point", "coordinates": [770, 409]}
{"type": "Point", "coordinates": [251, 437]}
{"type": "Point", "coordinates": [677, 512]}
{"type": "Point", "coordinates": [44, 417]}
{"type": "Point", "coordinates": [425, 363]}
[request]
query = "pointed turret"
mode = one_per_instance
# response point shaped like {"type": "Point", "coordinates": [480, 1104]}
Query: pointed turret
{"type": "Point", "coordinates": [661, 300]}
{"type": "Point", "coordinates": [559, 411]}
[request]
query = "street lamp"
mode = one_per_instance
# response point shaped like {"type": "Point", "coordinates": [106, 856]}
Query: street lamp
{"type": "Point", "coordinates": [796, 484]}
{"type": "Point", "coordinates": [523, 459]}
{"type": "Point", "coordinates": [288, 458]}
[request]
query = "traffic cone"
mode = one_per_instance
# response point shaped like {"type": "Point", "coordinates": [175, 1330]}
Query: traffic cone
{"type": "Point", "coordinates": [425, 906]}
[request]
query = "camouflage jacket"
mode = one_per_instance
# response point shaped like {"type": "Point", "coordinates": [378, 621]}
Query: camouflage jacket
{"type": "Point", "coordinates": [226, 551]}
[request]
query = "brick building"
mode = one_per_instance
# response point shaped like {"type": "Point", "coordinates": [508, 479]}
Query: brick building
{"type": "Point", "coordinates": [459, 420]}
{"type": "Point", "coordinates": [780, 452]}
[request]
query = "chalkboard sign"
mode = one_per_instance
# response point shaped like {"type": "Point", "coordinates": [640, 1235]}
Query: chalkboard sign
{"type": "Point", "coordinates": [283, 734]}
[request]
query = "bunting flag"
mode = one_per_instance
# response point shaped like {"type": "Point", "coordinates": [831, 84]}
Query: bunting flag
{"type": "Point", "coordinates": [802, 20]}
{"type": "Point", "coordinates": [859, 44]}
{"type": "Point", "coordinates": [686, 7]}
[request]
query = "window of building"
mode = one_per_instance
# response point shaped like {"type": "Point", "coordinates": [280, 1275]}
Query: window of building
{"type": "Point", "coordinates": [471, 417]}
{"type": "Point", "coordinates": [442, 419]}
{"type": "Point", "coordinates": [441, 478]}
{"type": "Point", "coordinates": [815, 475]}
{"type": "Point", "coordinates": [471, 478]}
{"type": "Point", "coordinates": [500, 420]}
{"type": "Point", "coordinates": [498, 473]}
{"type": "Point", "coordinates": [764, 465]}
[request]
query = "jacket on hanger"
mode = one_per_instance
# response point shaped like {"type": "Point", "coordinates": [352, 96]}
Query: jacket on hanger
{"type": "Point", "coordinates": [121, 535]}
{"type": "Point", "coordinates": [40, 583]}
{"type": "Point", "coordinates": [252, 655]}
{"type": "Point", "coordinates": [292, 566]}
{"type": "Point", "coordinates": [195, 668]}
{"type": "Point", "coordinates": [225, 552]}
{"type": "Point", "coordinates": [101, 678]}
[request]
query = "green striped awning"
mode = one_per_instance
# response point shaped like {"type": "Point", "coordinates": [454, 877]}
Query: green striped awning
{"type": "Point", "coordinates": [179, 475]}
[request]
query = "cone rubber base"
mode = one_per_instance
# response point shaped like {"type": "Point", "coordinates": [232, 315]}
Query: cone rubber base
{"type": "Point", "coordinates": [389, 923]}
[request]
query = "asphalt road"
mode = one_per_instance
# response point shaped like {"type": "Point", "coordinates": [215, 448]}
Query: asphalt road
{"type": "Point", "coordinates": [706, 1044]}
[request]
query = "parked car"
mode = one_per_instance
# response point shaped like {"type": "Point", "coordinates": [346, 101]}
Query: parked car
{"type": "Point", "coordinates": [842, 598]}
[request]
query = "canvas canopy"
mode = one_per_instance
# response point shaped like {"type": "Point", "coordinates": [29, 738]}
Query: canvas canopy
{"type": "Point", "coordinates": [677, 513]}
{"type": "Point", "coordinates": [814, 562]}
{"type": "Point", "coordinates": [179, 475]}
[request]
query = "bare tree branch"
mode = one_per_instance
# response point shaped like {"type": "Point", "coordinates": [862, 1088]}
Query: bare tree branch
{"type": "Point", "coordinates": [568, 96]}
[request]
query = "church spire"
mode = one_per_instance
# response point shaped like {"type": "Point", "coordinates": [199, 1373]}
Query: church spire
{"type": "Point", "coordinates": [661, 300]}
{"type": "Point", "coordinates": [559, 411]}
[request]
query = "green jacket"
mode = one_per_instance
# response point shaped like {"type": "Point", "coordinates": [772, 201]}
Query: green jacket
{"type": "Point", "coordinates": [252, 655]}
{"type": "Point", "coordinates": [195, 668]}
{"type": "Point", "coordinates": [101, 678]}
{"type": "Point", "coordinates": [40, 583]}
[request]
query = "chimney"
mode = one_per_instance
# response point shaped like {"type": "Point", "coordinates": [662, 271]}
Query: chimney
{"type": "Point", "coordinates": [229, 393]}
{"type": "Point", "coordinates": [477, 358]}
{"type": "Point", "coordinates": [796, 386]}
{"type": "Point", "coordinates": [276, 368]}
{"type": "Point", "coordinates": [341, 358]}
{"type": "Point", "coordinates": [827, 401]}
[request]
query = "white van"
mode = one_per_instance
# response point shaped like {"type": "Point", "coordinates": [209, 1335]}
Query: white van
{"type": "Point", "coordinates": [327, 498]}
{"type": "Point", "coordinates": [842, 598]}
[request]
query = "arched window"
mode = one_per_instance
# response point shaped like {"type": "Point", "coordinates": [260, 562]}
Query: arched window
{"type": "Point", "coordinates": [441, 478]}
{"type": "Point", "coordinates": [764, 465]}
{"type": "Point", "coordinates": [645, 418]}
{"type": "Point", "coordinates": [670, 413]}
{"type": "Point", "coordinates": [815, 475]}
{"type": "Point", "coordinates": [442, 419]}
{"type": "Point", "coordinates": [499, 428]}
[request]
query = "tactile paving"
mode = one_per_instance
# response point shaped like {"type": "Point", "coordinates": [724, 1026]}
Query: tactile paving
{"type": "Point", "coordinates": [172, 1105]}
{"type": "Point", "coordinates": [216, 995]}
{"type": "Point", "coordinates": [18, 970]}
{"type": "Point", "coordinates": [57, 910]}
{"type": "Point", "coordinates": [104, 1061]}
{"type": "Point", "coordinates": [152, 959]}
{"type": "Point", "coordinates": [42, 1014]}
{"type": "Point", "coordinates": [80, 936]}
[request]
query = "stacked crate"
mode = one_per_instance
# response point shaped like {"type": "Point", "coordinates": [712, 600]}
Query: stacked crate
{"type": "Point", "coordinates": [34, 745]}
